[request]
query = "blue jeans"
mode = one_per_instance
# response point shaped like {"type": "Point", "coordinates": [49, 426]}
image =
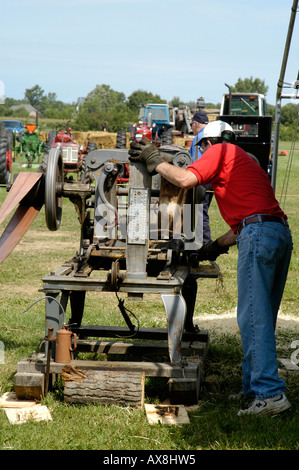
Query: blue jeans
{"type": "Point", "coordinates": [264, 256]}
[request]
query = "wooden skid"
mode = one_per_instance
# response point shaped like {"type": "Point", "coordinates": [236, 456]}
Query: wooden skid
{"type": "Point", "coordinates": [22, 185]}
{"type": "Point", "coordinates": [24, 214]}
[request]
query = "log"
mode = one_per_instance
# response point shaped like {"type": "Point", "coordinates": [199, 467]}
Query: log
{"type": "Point", "coordinates": [107, 387]}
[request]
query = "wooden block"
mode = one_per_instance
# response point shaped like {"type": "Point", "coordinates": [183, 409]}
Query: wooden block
{"type": "Point", "coordinates": [166, 414]}
{"type": "Point", "coordinates": [10, 400]}
{"type": "Point", "coordinates": [108, 387]}
{"type": "Point", "coordinates": [29, 385]}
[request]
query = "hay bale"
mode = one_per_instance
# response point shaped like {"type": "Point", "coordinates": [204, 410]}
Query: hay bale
{"type": "Point", "coordinates": [104, 140]}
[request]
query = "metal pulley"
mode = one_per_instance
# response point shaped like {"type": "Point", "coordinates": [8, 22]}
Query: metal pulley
{"type": "Point", "coordinates": [182, 159]}
{"type": "Point", "coordinates": [53, 189]}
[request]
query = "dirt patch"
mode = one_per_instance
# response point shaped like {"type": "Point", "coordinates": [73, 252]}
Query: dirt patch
{"type": "Point", "coordinates": [227, 322]}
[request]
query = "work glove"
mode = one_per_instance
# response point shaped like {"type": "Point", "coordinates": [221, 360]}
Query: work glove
{"type": "Point", "coordinates": [145, 153]}
{"type": "Point", "coordinates": [210, 251]}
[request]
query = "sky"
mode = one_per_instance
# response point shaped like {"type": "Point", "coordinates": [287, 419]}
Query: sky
{"type": "Point", "coordinates": [172, 48]}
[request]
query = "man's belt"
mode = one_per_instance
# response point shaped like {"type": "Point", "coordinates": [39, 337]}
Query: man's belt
{"type": "Point", "coordinates": [261, 218]}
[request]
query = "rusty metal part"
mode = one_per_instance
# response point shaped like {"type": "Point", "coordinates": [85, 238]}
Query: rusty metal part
{"type": "Point", "coordinates": [20, 191]}
{"type": "Point", "coordinates": [115, 274]}
{"type": "Point", "coordinates": [167, 410]}
{"type": "Point", "coordinates": [64, 344]}
{"type": "Point", "coordinates": [50, 338]}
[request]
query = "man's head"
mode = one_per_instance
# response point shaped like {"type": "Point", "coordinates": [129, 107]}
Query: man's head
{"type": "Point", "coordinates": [199, 121]}
{"type": "Point", "coordinates": [214, 133]}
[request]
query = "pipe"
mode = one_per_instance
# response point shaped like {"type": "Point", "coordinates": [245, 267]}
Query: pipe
{"type": "Point", "coordinates": [279, 90]}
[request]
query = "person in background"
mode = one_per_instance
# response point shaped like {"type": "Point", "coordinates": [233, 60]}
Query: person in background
{"type": "Point", "coordinates": [198, 123]}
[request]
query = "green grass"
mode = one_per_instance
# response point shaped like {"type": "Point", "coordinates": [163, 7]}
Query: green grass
{"type": "Point", "coordinates": [214, 425]}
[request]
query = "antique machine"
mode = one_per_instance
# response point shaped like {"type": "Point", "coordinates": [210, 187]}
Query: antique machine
{"type": "Point", "coordinates": [136, 238]}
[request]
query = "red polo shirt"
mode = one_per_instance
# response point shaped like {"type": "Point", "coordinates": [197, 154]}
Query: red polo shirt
{"type": "Point", "coordinates": [241, 187]}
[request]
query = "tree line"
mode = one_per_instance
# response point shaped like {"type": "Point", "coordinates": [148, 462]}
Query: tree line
{"type": "Point", "coordinates": [102, 107]}
{"type": "Point", "coordinates": [105, 107]}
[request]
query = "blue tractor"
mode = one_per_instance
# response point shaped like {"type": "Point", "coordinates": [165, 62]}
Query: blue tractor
{"type": "Point", "coordinates": [159, 122]}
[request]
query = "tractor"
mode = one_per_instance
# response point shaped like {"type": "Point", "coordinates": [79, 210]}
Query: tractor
{"type": "Point", "coordinates": [31, 144]}
{"type": "Point", "coordinates": [73, 155]}
{"type": "Point", "coordinates": [5, 157]}
{"type": "Point", "coordinates": [246, 113]}
{"type": "Point", "coordinates": [158, 123]}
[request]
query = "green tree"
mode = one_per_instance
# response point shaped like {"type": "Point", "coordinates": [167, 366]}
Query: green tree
{"type": "Point", "coordinates": [36, 97]}
{"type": "Point", "coordinates": [100, 105]}
{"type": "Point", "coordinates": [104, 98]}
{"type": "Point", "coordinates": [250, 85]}
{"type": "Point", "coordinates": [140, 98]}
{"type": "Point", "coordinates": [289, 114]}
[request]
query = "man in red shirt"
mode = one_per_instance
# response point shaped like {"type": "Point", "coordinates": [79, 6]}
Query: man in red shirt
{"type": "Point", "coordinates": [260, 229]}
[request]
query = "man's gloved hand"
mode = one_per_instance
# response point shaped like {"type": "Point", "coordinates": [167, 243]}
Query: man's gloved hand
{"type": "Point", "coordinates": [145, 153]}
{"type": "Point", "coordinates": [210, 251]}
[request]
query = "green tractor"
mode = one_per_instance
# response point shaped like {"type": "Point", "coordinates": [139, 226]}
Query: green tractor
{"type": "Point", "coordinates": [31, 145]}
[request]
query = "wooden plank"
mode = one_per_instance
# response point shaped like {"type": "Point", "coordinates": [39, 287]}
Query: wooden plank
{"type": "Point", "coordinates": [10, 400]}
{"type": "Point", "coordinates": [37, 412]}
{"type": "Point", "coordinates": [151, 369]}
{"type": "Point", "coordinates": [166, 414]}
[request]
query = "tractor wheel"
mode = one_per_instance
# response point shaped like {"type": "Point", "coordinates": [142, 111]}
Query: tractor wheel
{"type": "Point", "coordinates": [121, 139]}
{"type": "Point", "coordinates": [12, 142]}
{"type": "Point", "coordinates": [91, 146]}
{"type": "Point", "coordinates": [86, 176]}
{"type": "Point", "coordinates": [5, 158]}
{"type": "Point", "coordinates": [47, 148]}
{"type": "Point", "coordinates": [166, 137]}
{"type": "Point", "coordinates": [10, 135]}
{"type": "Point", "coordinates": [53, 200]}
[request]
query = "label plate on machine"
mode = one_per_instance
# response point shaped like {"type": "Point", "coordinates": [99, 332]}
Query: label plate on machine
{"type": "Point", "coordinates": [138, 216]}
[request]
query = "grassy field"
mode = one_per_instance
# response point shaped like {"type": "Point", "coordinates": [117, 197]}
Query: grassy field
{"type": "Point", "coordinates": [214, 425]}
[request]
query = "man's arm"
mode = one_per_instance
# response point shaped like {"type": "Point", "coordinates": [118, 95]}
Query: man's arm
{"type": "Point", "coordinates": [149, 155]}
{"type": "Point", "coordinates": [211, 250]}
{"type": "Point", "coordinates": [228, 239]}
{"type": "Point", "coordinates": [181, 177]}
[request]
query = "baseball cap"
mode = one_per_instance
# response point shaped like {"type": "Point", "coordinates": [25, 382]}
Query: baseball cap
{"type": "Point", "coordinates": [200, 117]}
